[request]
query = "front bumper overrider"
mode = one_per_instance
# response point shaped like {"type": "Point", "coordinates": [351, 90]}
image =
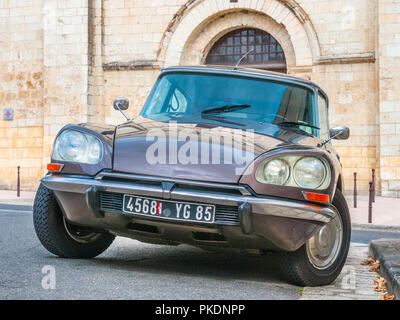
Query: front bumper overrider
{"type": "Point", "coordinates": [286, 224]}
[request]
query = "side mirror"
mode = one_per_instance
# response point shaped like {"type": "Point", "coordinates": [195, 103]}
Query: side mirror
{"type": "Point", "coordinates": [339, 133]}
{"type": "Point", "coordinates": [121, 104]}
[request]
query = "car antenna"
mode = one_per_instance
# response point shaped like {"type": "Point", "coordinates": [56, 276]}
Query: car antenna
{"type": "Point", "coordinates": [240, 60]}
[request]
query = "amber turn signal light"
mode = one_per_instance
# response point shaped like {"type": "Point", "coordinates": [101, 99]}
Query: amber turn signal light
{"type": "Point", "coordinates": [54, 167]}
{"type": "Point", "coordinates": [317, 197]}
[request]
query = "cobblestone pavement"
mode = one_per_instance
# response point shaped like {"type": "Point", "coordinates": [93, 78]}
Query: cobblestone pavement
{"type": "Point", "coordinates": [354, 283]}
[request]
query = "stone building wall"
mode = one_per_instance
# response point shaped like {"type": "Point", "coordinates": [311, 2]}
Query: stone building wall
{"type": "Point", "coordinates": [388, 116]}
{"type": "Point", "coordinates": [21, 88]}
{"type": "Point", "coordinates": [346, 33]}
{"type": "Point", "coordinates": [65, 67]}
{"type": "Point", "coordinates": [85, 53]}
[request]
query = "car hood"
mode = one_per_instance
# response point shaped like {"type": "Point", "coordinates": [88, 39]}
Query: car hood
{"type": "Point", "coordinates": [194, 151]}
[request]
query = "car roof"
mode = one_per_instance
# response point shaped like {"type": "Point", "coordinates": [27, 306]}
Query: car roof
{"type": "Point", "coordinates": [249, 72]}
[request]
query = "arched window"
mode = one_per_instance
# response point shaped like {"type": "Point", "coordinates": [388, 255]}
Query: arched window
{"type": "Point", "coordinates": [267, 53]}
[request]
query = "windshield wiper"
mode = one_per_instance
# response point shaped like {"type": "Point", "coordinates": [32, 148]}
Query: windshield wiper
{"type": "Point", "coordinates": [294, 123]}
{"type": "Point", "coordinates": [227, 108]}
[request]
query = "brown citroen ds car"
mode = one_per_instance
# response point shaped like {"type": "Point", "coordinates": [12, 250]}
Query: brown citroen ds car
{"type": "Point", "coordinates": [217, 158]}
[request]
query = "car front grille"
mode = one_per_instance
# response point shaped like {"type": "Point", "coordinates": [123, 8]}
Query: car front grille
{"type": "Point", "coordinates": [224, 215]}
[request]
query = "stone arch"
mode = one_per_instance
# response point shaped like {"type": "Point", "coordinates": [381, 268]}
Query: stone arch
{"type": "Point", "coordinates": [200, 42]}
{"type": "Point", "coordinates": [195, 15]}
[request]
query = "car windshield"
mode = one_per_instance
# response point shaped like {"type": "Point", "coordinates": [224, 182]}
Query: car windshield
{"type": "Point", "coordinates": [195, 97]}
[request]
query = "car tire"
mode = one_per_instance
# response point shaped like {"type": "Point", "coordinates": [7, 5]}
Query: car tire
{"type": "Point", "coordinates": [299, 267]}
{"type": "Point", "coordinates": [60, 237]}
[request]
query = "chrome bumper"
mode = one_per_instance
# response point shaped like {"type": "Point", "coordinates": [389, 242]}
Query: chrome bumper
{"type": "Point", "coordinates": [194, 191]}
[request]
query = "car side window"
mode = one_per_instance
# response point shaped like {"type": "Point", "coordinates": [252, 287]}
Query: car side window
{"type": "Point", "coordinates": [159, 96]}
{"type": "Point", "coordinates": [323, 117]}
{"type": "Point", "coordinates": [297, 106]}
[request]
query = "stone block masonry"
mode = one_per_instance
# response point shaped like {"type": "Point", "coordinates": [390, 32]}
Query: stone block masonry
{"type": "Point", "coordinates": [65, 61]}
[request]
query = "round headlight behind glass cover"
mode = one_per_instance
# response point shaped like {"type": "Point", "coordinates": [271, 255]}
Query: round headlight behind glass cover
{"type": "Point", "coordinates": [71, 145]}
{"type": "Point", "coordinates": [276, 171]}
{"type": "Point", "coordinates": [309, 172]}
{"type": "Point", "coordinates": [95, 151]}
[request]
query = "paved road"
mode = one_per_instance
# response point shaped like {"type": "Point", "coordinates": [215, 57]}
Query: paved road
{"type": "Point", "coordinates": [133, 270]}
{"type": "Point", "coordinates": [130, 270]}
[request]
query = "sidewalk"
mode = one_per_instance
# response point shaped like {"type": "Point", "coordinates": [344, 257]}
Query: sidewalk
{"type": "Point", "coordinates": [385, 211]}
{"type": "Point", "coordinates": [10, 197]}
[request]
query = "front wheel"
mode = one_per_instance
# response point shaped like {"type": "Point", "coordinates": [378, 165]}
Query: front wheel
{"type": "Point", "coordinates": [60, 237]}
{"type": "Point", "coordinates": [320, 260]}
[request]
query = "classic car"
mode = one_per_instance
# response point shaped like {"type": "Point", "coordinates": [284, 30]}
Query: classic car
{"type": "Point", "coordinates": [218, 157]}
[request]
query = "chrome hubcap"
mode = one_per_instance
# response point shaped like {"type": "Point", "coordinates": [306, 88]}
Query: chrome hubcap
{"type": "Point", "coordinates": [78, 235]}
{"type": "Point", "coordinates": [324, 246]}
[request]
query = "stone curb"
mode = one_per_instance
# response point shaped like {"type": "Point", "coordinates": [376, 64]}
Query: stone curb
{"type": "Point", "coordinates": [375, 227]}
{"type": "Point", "coordinates": [19, 207]}
{"type": "Point", "coordinates": [387, 251]}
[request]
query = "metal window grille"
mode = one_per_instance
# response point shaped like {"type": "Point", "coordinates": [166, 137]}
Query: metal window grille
{"type": "Point", "coordinates": [267, 52]}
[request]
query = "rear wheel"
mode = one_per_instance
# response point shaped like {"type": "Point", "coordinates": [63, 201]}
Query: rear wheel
{"type": "Point", "coordinates": [59, 236]}
{"type": "Point", "coordinates": [320, 260]}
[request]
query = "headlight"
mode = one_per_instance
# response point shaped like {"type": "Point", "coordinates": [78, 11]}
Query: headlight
{"type": "Point", "coordinates": [275, 171]}
{"type": "Point", "coordinates": [75, 146]}
{"type": "Point", "coordinates": [309, 172]}
{"type": "Point", "coordinates": [296, 171]}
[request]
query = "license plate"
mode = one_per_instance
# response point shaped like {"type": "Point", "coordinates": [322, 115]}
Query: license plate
{"type": "Point", "coordinates": [172, 210]}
